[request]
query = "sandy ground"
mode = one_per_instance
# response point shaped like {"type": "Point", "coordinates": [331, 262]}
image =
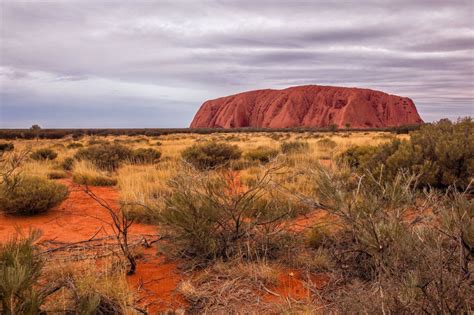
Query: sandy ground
{"type": "Point", "coordinates": [81, 218]}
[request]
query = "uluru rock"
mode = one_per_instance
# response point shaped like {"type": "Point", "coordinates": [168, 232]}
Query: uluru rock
{"type": "Point", "coordinates": [308, 106]}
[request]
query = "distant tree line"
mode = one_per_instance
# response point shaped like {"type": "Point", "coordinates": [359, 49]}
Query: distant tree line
{"type": "Point", "coordinates": [34, 133]}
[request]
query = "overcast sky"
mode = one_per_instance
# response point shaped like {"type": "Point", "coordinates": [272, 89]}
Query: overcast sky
{"type": "Point", "coordinates": [152, 63]}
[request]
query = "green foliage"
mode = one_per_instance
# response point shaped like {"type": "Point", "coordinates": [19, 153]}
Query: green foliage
{"type": "Point", "coordinates": [442, 153]}
{"type": "Point", "coordinates": [20, 270]}
{"type": "Point", "coordinates": [93, 180]}
{"type": "Point", "coordinates": [264, 154]}
{"type": "Point", "coordinates": [210, 215]}
{"type": "Point", "coordinates": [207, 156]}
{"type": "Point", "coordinates": [28, 195]}
{"type": "Point", "coordinates": [145, 156]}
{"type": "Point", "coordinates": [383, 243]}
{"type": "Point", "coordinates": [106, 157]}
{"type": "Point", "coordinates": [6, 146]}
{"type": "Point", "coordinates": [67, 164]}
{"type": "Point", "coordinates": [44, 154]}
{"type": "Point", "coordinates": [294, 147]}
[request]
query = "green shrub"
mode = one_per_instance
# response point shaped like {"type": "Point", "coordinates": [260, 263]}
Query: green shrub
{"type": "Point", "coordinates": [106, 157]}
{"type": "Point", "coordinates": [20, 270]}
{"type": "Point", "coordinates": [29, 195]}
{"type": "Point", "coordinates": [67, 164]}
{"type": "Point", "coordinates": [57, 175]}
{"type": "Point", "coordinates": [262, 153]}
{"type": "Point", "coordinates": [145, 156]}
{"type": "Point", "coordinates": [294, 147]}
{"type": "Point", "coordinates": [327, 143]}
{"type": "Point", "coordinates": [210, 155]}
{"type": "Point", "coordinates": [442, 153]}
{"type": "Point", "coordinates": [75, 145]}
{"type": "Point", "coordinates": [210, 215]}
{"type": "Point", "coordinates": [44, 154]}
{"type": "Point", "coordinates": [6, 146]}
{"type": "Point", "coordinates": [93, 180]}
{"type": "Point", "coordinates": [385, 239]}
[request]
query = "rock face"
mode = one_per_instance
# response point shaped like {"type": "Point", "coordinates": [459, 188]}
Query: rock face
{"type": "Point", "coordinates": [308, 106]}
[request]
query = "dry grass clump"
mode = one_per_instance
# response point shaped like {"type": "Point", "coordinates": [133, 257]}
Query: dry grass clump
{"type": "Point", "coordinates": [232, 287]}
{"type": "Point", "coordinates": [44, 154]}
{"type": "Point", "coordinates": [145, 156]}
{"type": "Point", "coordinates": [290, 147]}
{"type": "Point", "coordinates": [74, 145]}
{"type": "Point", "coordinates": [143, 187]}
{"type": "Point", "coordinates": [89, 289]}
{"type": "Point", "coordinates": [327, 143]}
{"type": "Point", "coordinates": [263, 154]}
{"type": "Point", "coordinates": [30, 284]}
{"type": "Point", "coordinates": [86, 173]}
{"type": "Point", "coordinates": [57, 175]}
{"type": "Point", "coordinates": [6, 146]}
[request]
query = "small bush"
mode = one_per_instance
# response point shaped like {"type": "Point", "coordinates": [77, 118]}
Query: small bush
{"type": "Point", "coordinates": [6, 146]}
{"type": "Point", "coordinates": [67, 164]}
{"type": "Point", "coordinates": [93, 180]}
{"type": "Point", "coordinates": [327, 143]}
{"type": "Point", "coordinates": [211, 215]}
{"type": "Point", "coordinates": [262, 153]}
{"type": "Point", "coordinates": [57, 175]}
{"type": "Point", "coordinates": [158, 143]}
{"type": "Point", "coordinates": [29, 195]}
{"type": "Point", "coordinates": [44, 154]}
{"type": "Point", "coordinates": [210, 155]}
{"type": "Point", "coordinates": [294, 147]}
{"type": "Point", "coordinates": [145, 156]}
{"type": "Point", "coordinates": [20, 270]}
{"type": "Point", "coordinates": [75, 145]}
{"type": "Point", "coordinates": [106, 157]}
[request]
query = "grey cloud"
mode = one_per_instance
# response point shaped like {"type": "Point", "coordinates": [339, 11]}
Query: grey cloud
{"type": "Point", "coordinates": [420, 49]}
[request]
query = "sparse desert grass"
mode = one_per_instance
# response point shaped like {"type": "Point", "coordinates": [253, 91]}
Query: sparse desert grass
{"type": "Point", "coordinates": [86, 173]}
{"type": "Point", "coordinates": [369, 249]}
{"type": "Point", "coordinates": [230, 287]}
{"type": "Point", "coordinates": [143, 187]}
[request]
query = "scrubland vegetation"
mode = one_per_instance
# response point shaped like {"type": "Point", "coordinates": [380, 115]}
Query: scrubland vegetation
{"type": "Point", "coordinates": [371, 222]}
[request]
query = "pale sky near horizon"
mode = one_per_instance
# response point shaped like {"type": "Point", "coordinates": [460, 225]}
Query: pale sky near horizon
{"type": "Point", "coordinates": [86, 64]}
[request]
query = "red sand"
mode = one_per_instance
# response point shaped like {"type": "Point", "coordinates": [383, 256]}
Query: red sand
{"type": "Point", "coordinates": [79, 218]}
{"type": "Point", "coordinates": [307, 106]}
